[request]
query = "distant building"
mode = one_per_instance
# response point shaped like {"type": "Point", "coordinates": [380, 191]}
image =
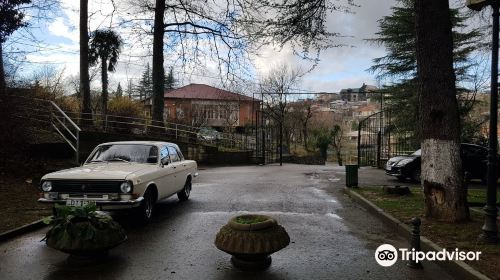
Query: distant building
{"type": "Point", "coordinates": [203, 105]}
{"type": "Point", "coordinates": [366, 110]}
{"type": "Point", "coordinates": [326, 97]}
{"type": "Point", "coordinates": [357, 94]}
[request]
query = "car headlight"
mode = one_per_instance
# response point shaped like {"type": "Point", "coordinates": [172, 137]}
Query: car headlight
{"type": "Point", "coordinates": [126, 187]}
{"type": "Point", "coordinates": [404, 162]}
{"type": "Point", "coordinates": [47, 186]}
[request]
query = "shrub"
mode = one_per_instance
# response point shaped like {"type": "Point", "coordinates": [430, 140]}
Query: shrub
{"type": "Point", "coordinates": [69, 104]}
{"type": "Point", "coordinates": [123, 110]}
{"type": "Point", "coordinates": [124, 106]}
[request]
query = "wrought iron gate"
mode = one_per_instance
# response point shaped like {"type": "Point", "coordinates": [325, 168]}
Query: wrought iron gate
{"type": "Point", "coordinates": [379, 139]}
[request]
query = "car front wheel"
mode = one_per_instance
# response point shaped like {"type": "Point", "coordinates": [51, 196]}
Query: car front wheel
{"type": "Point", "coordinates": [183, 195]}
{"type": "Point", "coordinates": [146, 209]}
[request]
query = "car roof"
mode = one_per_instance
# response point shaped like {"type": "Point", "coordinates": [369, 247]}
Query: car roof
{"type": "Point", "coordinates": [156, 143]}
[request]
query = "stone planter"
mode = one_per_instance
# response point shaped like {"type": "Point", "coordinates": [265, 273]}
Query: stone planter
{"type": "Point", "coordinates": [251, 244]}
{"type": "Point", "coordinates": [104, 239]}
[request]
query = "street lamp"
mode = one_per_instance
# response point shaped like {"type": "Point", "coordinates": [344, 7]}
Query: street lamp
{"type": "Point", "coordinates": [490, 229]}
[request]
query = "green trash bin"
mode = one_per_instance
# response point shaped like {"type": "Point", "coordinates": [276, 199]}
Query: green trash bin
{"type": "Point", "coordinates": [351, 175]}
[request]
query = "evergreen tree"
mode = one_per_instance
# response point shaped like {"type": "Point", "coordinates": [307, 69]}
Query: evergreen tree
{"type": "Point", "coordinates": [130, 89]}
{"type": "Point", "coordinates": [169, 79]}
{"type": "Point", "coordinates": [11, 18]}
{"type": "Point", "coordinates": [397, 34]}
{"type": "Point", "coordinates": [119, 91]}
{"type": "Point", "coordinates": [445, 197]}
{"type": "Point", "coordinates": [145, 87]}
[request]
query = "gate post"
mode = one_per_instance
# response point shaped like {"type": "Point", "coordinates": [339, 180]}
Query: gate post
{"type": "Point", "coordinates": [379, 146]}
{"type": "Point", "coordinates": [359, 144]}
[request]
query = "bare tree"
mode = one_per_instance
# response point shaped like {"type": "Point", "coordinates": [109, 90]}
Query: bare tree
{"type": "Point", "coordinates": [337, 141]}
{"type": "Point", "coordinates": [48, 82]}
{"type": "Point", "coordinates": [301, 112]}
{"type": "Point", "coordinates": [227, 31]}
{"type": "Point", "coordinates": [158, 70]}
{"type": "Point", "coordinates": [84, 65]}
{"type": "Point", "coordinates": [198, 116]}
{"type": "Point", "coordinates": [275, 88]}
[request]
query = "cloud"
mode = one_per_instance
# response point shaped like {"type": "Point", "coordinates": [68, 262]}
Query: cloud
{"type": "Point", "coordinates": [60, 28]}
{"type": "Point", "coordinates": [340, 67]}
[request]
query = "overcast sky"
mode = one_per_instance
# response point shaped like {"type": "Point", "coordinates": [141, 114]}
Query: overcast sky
{"type": "Point", "coordinates": [339, 67]}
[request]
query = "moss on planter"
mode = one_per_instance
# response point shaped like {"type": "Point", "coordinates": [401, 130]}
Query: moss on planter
{"type": "Point", "coordinates": [250, 219]}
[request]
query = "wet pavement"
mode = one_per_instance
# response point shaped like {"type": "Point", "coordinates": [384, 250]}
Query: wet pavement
{"type": "Point", "coordinates": [331, 237]}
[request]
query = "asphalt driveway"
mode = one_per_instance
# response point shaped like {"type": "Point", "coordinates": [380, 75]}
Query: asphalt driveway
{"type": "Point", "coordinates": [331, 237]}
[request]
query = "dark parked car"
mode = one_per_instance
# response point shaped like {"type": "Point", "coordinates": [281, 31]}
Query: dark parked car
{"type": "Point", "coordinates": [474, 159]}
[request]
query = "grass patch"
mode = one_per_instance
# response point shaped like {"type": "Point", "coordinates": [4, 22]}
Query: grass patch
{"type": "Point", "coordinates": [463, 236]}
{"type": "Point", "coordinates": [479, 195]}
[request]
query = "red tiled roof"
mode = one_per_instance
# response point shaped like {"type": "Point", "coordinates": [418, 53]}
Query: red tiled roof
{"type": "Point", "coordinates": [200, 91]}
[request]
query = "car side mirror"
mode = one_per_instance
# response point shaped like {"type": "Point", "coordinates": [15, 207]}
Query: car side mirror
{"type": "Point", "coordinates": [164, 161]}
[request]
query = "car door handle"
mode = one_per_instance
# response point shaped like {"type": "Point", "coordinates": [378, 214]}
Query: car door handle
{"type": "Point", "coordinates": [174, 167]}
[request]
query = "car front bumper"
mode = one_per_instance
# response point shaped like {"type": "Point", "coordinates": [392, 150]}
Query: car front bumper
{"type": "Point", "coordinates": [394, 171]}
{"type": "Point", "coordinates": [101, 204]}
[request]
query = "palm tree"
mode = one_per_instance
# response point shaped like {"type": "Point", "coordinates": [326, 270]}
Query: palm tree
{"type": "Point", "coordinates": [105, 46]}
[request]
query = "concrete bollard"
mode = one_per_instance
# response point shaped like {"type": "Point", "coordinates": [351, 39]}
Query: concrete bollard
{"type": "Point", "coordinates": [415, 242]}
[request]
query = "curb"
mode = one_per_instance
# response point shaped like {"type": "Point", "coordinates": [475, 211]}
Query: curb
{"type": "Point", "coordinates": [458, 269]}
{"type": "Point", "coordinates": [21, 230]}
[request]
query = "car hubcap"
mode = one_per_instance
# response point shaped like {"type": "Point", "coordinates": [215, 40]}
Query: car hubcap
{"type": "Point", "coordinates": [148, 207]}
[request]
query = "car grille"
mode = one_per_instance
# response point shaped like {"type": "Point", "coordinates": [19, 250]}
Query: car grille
{"type": "Point", "coordinates": [86, 186]}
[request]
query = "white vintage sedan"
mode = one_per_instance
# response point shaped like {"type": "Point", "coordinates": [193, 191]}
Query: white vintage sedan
{"type": "Point", "coordinates": [121, 175]}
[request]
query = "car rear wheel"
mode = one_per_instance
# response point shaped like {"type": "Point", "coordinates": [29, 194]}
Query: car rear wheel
{"type": "Point", "coordinates": [183, 195]}
{"type": "Point", "coordinates": [145, 211]}
{"type": "Point", "coordinates": [415, 176]}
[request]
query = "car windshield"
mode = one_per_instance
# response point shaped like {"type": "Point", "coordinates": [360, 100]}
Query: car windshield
{"type": "Point", "coordinates": [417, 153]}
{"type": "Point", "coordinates": [125, 153]}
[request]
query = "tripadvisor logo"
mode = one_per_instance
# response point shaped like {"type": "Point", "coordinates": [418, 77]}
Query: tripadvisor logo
{"type": "Point", "coordinates": [387, 255]}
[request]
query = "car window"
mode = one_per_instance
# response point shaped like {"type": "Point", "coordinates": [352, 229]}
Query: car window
{"type": "Point", "coordinates": [173, 154]}
{"type": "Point", "coordinates": [417, 153]}
{"type": "Point", "coordinates": [124, 152]}
{"type": "Point", "coordinates": [164, 156]}
{"type": "Point", "coordinates": [179, 153]}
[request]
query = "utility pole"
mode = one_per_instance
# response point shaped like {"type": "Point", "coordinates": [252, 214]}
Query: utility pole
{"type": "Point", "coordinates": [490, 228]}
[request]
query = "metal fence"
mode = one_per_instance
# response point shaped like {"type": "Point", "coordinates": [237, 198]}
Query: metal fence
{"type": "Point", "coordinates": [46, 115]}
{"type": "Point", "coordinates": [168, 131]}
{"type": "Point", "coordinates": [379, 139]}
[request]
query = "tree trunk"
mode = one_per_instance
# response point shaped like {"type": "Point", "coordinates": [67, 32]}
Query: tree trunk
{"type": "Point", "coordinates": [304, 132]}
{"type": "Point", "coordinates": [104, 80]}
{"type": "Point", "coordinates": [158, 71]}
{"type": "Point", "coordinates": [339, 157]}
{"type": "Point", "coordinates": [2, 72]}
{"type": "Point", "coordinates": [84, 65]}
{"type": "Point", "coordinates": [442, 178]}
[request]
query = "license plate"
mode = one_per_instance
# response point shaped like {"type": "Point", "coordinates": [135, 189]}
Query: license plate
{"type": "Point", "coordinates": [72, 202]}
